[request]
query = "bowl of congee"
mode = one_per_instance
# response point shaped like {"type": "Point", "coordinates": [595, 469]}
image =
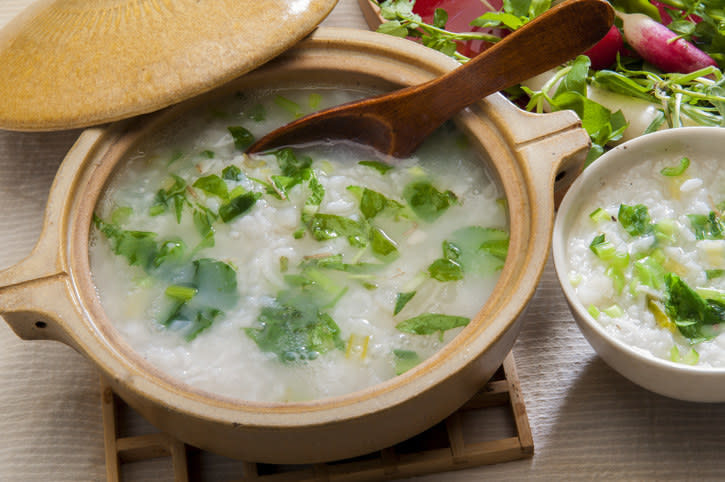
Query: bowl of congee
{"type": "Point", "coordinates": [639, 248]}
{"type": "Point", "coordinates": [310, 303]}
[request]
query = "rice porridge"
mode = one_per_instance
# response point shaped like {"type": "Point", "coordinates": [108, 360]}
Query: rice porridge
{"type": "Point", "coordinates": [647, 259]}
{"type": "Point", "coordinates": [298, 274]}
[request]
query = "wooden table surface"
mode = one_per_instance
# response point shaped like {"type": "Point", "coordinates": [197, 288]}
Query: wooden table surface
{"type": "Point", "coordinates": [588, 422]}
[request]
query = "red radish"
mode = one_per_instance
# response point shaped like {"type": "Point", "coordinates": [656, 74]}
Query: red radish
{"type": "Point", "coordinates": [604, 52]}
{"type": "Point", "coordinates": [655, 43]}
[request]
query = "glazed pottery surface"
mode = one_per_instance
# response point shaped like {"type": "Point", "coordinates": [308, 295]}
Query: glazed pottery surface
{"type": "Point", "coordinates": [51, 294]}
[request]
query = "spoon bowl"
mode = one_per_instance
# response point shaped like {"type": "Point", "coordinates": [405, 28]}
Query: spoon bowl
{"type": "Point", "coordinates": [397, 123]}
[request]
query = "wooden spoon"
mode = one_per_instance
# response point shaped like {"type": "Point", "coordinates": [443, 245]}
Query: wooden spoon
{"type": "Point", "coordinates": [398, 122]}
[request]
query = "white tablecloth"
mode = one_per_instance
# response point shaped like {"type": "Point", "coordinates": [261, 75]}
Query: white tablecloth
{"type": "Point", "coordinates": [588, 422]}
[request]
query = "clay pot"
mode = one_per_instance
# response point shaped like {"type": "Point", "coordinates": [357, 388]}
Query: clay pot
{"type": "Point", "coordinates": [51, 294]}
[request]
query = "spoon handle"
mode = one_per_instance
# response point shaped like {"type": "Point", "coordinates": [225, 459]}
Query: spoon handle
{"type": "Point", "coordinates": [398, 122]}
{"type": "Point", "coordinates": [547, 41]}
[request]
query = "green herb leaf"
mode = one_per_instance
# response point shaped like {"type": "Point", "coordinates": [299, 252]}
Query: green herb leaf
{"type": "Point", "coordinates": [215, 285]}
{"type": "Point", "coordinates": [173, 196]}
{"type": "Point", "coordinates": [402, 299]}
{"type": "Point", "coordinates": [405, 360]}
{"type": "Point", "coordinates": [242, 137]}
{"type": "Point", "coordinates": [294, 328]}
{"type": "Point", "coordinates": [238, 206]}
{"type": "Point", "coordinates": [382, 246]}
{"type": "Point", "coordinates": [691, 312]}
{"type": "Point", "coordinates": [381, 167]}
{"type": "Point", "coordinates": [430, 323]}
{"type": "Point", "coordinates": [213, 185]}
{"type": "Point", "coordinates": [482, 250]}
{"type": "Point", "coordinates": [373, 203]}
{"type": "Point", "coordinates": [331, 226]}
{"type": "Point", "coordinates": [138, 247]}
{"type": "Point", "coordinates": [444, 269]}
{"type": "Point", "coordinates": [257, 113]}
{"type": "Point", "coordinates": [426, 201]}
{"type": "Point", "coordinates": [232, 173]}
{"type": "Point", "coordinates": [707, 227]}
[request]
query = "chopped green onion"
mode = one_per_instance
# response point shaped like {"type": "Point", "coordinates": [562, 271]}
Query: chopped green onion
{"type": "Point", "coordinates": [594, 311]}
{"type": "Point", "coordinates": [676, 170]}
{"type": "Point", "coordinates": [614, 311]}
{"type": "Point", "coordinates": [181, 293]}
{"type": "Point", "coordinates": [600, 215]}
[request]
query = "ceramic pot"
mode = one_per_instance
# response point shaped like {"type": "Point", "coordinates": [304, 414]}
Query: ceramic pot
{"type": "Point", "coordinates": [51, 294]}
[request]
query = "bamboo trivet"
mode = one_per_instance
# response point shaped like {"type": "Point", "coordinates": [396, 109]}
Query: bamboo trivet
{"type": "Point", "coordinates": [444, 447]}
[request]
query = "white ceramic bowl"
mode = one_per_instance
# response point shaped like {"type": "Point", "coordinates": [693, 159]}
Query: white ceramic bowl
{"type": "Point", "coordinates": [684, 382]}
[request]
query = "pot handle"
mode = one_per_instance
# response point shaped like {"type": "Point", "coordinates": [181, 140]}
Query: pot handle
{"type": "Point", "coordinates": [36, 294]}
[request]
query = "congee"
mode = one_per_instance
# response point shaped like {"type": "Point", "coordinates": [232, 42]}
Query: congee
{"type": "Point", "coordinates": [298, 274]}
{"type": "Point", "coordinates": [647, 258]}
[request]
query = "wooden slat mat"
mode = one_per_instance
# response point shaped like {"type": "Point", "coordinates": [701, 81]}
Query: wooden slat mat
{"type": "Point", "coordinates": [490, 428]}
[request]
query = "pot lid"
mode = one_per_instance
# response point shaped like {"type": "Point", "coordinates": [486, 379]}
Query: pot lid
{"type": "Point", "coordinates": [76, 63]}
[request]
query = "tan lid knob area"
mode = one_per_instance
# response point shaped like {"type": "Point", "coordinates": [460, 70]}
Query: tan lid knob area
{"type": "Point", "coordinates": [75, 63]}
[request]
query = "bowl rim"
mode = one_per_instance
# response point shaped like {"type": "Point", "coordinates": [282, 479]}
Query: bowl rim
{"type": "Point", "coordinates": [570, 206]}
